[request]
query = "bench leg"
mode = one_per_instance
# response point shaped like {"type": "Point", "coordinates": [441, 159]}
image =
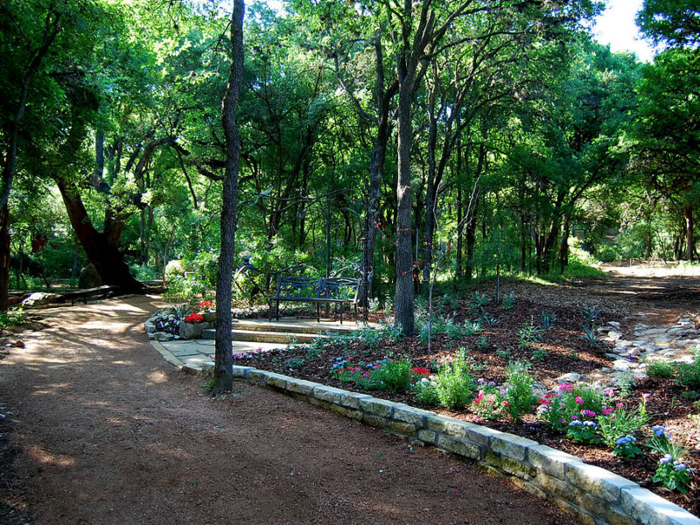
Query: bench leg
{"type": "Point", "coordinates": [341, 313]}
{"type": "Point", "coordinates": [318, 312]}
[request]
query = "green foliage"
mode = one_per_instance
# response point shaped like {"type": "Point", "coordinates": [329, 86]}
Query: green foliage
{"type": "Point", "coordinates": [451, 387]}
{"type": "Point", "coordinates": [14, 317]}
{"type": "Point", "coordinates": [569, 404]}
{"type": "Point", "coordinates": [590, 335]}
{"type": "Point", "coordinates": [673, 474]}
{"type": "Point", "coordinates": [660, 369]}
{"type": "Point", "coordinates": [626, 447]}
{"type": "Point", "coordinates": [519, 398]}
{"type": "Point", "coordinates": [529, 334]}
{"type": "Point", "coordinates": [620, 422]}
{"type": "Point", "coordinates": [548, 319]}
{"type": "Point", "coordinates": [508, 301]}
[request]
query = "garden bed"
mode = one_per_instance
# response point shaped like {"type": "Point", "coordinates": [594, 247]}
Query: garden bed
{"type": "Point", "coordinates": [561, 350]}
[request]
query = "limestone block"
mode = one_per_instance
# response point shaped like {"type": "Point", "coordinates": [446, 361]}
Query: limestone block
{"type": "Point", "coordinates": [379, 407]}
{"type": "Point", "coordinates": [650, 509]}
{"type": "Point", "coordinates": [550, 460]}
{"type": "Point", "coordinates": [597, 480]}
{"type": "Point", "coordinates": [407, 414]}
{"type": "Point", "coordinates": [512, 447]}
{"type": "Point", "coordinates": [300, 386]}
{"type": "Point", "coordinates": [242, 371]}
{"type": "Point", "coordinates": [328, 394]}
{"type": "Point", "coordinates": [481, 435]}
{"type": "Point", "coordinates": [352, 400]}
{"type": "Point", "coordinates": [276, 380]}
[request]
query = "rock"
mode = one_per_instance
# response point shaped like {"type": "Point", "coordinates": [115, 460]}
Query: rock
{"type": "Point", "coordinates": [634, 352]}
{"type": "Point", "coordinates": [89, 277]}
{"type": "Point", "coordinates": [615, 324]}
{"type": "Point", "coordinates": [571, 377]}
{"type": "Point", "coordinates": [209, 317]}
{"type": "Point", "coordinates": [614, 335]}
{"type": "Point", "coordinates": [39, 299]}
{"type": "Point", "coordinates": [150, 327]}
{"type": "Point", "coordinates": [622, 344]}
{"type": "Point", "coordinates": [621, 365]}
{"type": "Point", "coordinates": [192, 330]}
{"type": "Point", "coordinates": [163, 336]}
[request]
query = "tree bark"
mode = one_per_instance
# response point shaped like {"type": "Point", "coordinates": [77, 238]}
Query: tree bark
{"type": "Point", "coordinates": [100, 247]}
{"type": "Point", "coordinates": [689, 234]}
{"type": "Point", "coordinates": [4, 257]}
{"type": "Point", "coordinates": [223, 366]}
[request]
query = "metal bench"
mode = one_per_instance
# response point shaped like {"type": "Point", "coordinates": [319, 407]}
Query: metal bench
{"type": "Point", "coordinates": [337, 290]}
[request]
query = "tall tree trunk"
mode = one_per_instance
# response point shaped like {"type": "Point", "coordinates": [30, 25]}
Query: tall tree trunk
{"type": "Point", "coordinates": [4, 257]}
{"type": "Point", "coordinates": [564, 249]}
{"type": "Point", "coordinates": [403, 302]}
{"type": "Point", "coordinates": [689, 234]}
{"type": "Point", "coordinates": [223, 367]}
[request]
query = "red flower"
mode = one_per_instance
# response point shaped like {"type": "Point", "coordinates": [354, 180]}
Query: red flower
{"type": "Point", "coordinates": [206, 304]}
{"type": "Point", "coordinates": [194, 318]}
{"type": "Point", "coordinates": [420, 371]}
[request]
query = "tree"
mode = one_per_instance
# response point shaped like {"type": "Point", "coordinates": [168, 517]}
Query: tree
{"type": "Point", "coordinates": [674, 22]}
{"type": "Point", "coordinates": [223, 371]}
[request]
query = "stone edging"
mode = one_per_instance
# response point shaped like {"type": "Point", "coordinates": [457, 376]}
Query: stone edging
{"type": "Point", "coordinates": [592, 494]}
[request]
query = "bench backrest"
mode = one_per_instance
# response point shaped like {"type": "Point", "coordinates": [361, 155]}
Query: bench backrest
{"type": "Point", "coordinates": [340, 288]}
{"type": "Point", "coordinates": [298, 287]}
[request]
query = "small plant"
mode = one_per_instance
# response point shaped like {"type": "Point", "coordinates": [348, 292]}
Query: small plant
{"type": "Point", "coordinates": [592, 314]}
{"type": "Point", "coordinates": [451, 387]}
{"type": "Point", "coordinates": [660, 369]}
{"type": "Point", "coordinates": [295, 363]}
{"type": "Point", "coordinates": [504, 354]}
{"type": "Point", "coordinates": [626, 447]}
{"type": "Point", "coordinates": [489, 402]}
{"type": "Point", "coordinates": [590, 336]}
{"type": "Point", "coordinates": [479, 299]}
{"type": "Point", "coordinates": [209, 386]}
{"type": "Point", "coordinates": [688, 375]}
{"type": "Point", "coordinates": [471, 328]}
{"type": "Point", "coordinates": [569, 404]}
{"type": "Point", "coordinates": [529, 334]}
{"type": "Point", "coordinates": [615, 423]}
{"type": "Point", "coordinates": [15, 317]}
{"type": "Point", "coordinates": [583, 431]}
{"type": "Point", "coordinates": [625, 382]}
{"type": "Point", "coordinates": [673, 474]}
{"type": "Point", "coordinates": [482, 343]}
{"type": "Point", "coordinates": [539, 355]}
{"type": "Point", "coordinates": [519, 398]}
{"type": "Point", "coordinates": [488, 320]}
{"type": "Point", "coordinates": [548, 319]}
{"type": "Point", "coordinates": [508, 301]}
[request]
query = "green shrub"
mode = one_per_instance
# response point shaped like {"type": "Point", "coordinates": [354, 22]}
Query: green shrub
{"type": "Point", "coordinates": [519, 396]}
{"type": "Point", "coordinates": [451, 387]}
{"type": "Point", "coordinates": [660, 369]}
{"type": "Point", "coordinates": [619, 422]}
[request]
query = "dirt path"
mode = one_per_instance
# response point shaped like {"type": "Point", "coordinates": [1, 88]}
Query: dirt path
{"type": "Point", "coordinates": [110, 433]}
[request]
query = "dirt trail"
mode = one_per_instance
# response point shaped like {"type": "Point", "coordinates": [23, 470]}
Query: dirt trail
{"type": "Point", "coordinates": [110, 433]}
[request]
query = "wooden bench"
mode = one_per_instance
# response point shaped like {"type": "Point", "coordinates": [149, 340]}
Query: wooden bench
{"type": "Point", "coordinates": [337, 290]}
{"type": "Point", "coordinates": [88, 293]}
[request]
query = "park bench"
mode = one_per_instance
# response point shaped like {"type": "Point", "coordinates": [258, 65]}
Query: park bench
{"type": "Point", "coordinates": [88, 293]}
{"type": "Point", "coordinates": [335, 290]}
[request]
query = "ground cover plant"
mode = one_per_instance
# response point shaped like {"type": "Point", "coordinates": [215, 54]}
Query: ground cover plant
{"type": "Point", "coordinates": [486, 374]}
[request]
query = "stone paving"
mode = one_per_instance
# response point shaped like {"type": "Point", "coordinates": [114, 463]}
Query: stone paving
{"type": "Point", "coordinates": [632, 352]}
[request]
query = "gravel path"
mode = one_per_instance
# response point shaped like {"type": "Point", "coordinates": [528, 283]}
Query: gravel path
{"type": "Point", "coordinates": [107, 432]}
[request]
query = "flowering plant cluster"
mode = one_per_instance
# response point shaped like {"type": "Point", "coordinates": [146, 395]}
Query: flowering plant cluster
{"type": "Point", "coordinates": [206, 305]}
{"type": "Point", "coordinates": [626, 447]}
{"type": "Point", "coordinates": [568, 404]}
{"type": "Point", "coordinates": [391, 375]}
{"type": "Point", "coordinates": [674, 474]}
{"type": "Point", "coordinates": [583, 431]}
{"type": "Point", "coordinates": [489, 402]}
{"type": "Point", "coordinates": [194, 318]}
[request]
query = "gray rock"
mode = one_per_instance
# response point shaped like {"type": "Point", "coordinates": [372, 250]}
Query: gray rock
{"type": "Point", "coordinates": [614, 335]}
{"type": "Point", "coordinates": [192, 330]}
{"type": "Point", "coordinates": [39, 299]}
{"type": "Point", "coordinates": [89, 277]}
{"type": "Point", "coordinates": [621, 365]}
{"type": "Point", "coordinates": [571, 377]}
{"type": "Point", "coordinates": [615, 324]}
{"type": "Point", "coordinates": [163, 336]}
{"type": "Point", "coordinates": [150, 327]}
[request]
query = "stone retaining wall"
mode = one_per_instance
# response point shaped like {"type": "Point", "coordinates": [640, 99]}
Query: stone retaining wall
{"type": "Point", "coordinates": [594, 495]}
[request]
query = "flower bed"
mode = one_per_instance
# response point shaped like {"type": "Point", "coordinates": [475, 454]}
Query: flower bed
{"type": "Point", "coordinates": [478, 384]}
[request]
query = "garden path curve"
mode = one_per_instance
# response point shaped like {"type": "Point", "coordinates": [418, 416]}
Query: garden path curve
{"type": "Point", "coordinates": [107, 432]}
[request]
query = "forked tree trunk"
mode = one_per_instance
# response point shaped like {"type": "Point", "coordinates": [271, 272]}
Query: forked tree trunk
{"type": "Point", "coordinates": [223, 366]}
{"type": "Point", "coordinates": [101, 248]}
{"type": "Point", "coordinates": [689, 235]}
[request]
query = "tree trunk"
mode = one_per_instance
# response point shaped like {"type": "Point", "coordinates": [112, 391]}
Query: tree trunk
{"type": "Point", "coordinates": [403, 302]}
{"type": "Point", "coordinates": [4, 257]}
{"type": "Point", "coordinates": [564, 249]}
{"type": "Point", "coordinates": [223, 367]}
{"type": "Point", "coordinates": [689, 234]}
{"type": "Point", "coordinates": [102, 248]}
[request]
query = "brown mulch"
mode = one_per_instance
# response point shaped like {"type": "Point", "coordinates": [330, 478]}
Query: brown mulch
{"type": "Point", "coordinates": [107, 432]}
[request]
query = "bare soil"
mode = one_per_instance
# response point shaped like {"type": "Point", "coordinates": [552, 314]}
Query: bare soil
{"type": "Point", "coordinates": [103, 431]}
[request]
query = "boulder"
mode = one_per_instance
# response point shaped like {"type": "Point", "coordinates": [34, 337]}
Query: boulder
{"type": "Point", "coordinates": [39, 299]}
{"type": "Point", "coordinates": [89, 277]}
{"type": "Point", "coordinates": [192, 330]}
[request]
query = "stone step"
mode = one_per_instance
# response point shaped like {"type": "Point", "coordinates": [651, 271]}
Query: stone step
{"type": "Point", "coordinates": [266, 337]}
{"type": "Point", "coordinates": [293, 326]}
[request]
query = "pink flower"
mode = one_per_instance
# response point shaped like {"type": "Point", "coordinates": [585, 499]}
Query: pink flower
{"type": "Point", "coordinates": [579, 400]}
{"type": "Point", "coordinates": [646, 396]}
{"type": "Point", "coordinates": [620, 405]}
{"type": "Point", "coordinates": [608, 411]}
